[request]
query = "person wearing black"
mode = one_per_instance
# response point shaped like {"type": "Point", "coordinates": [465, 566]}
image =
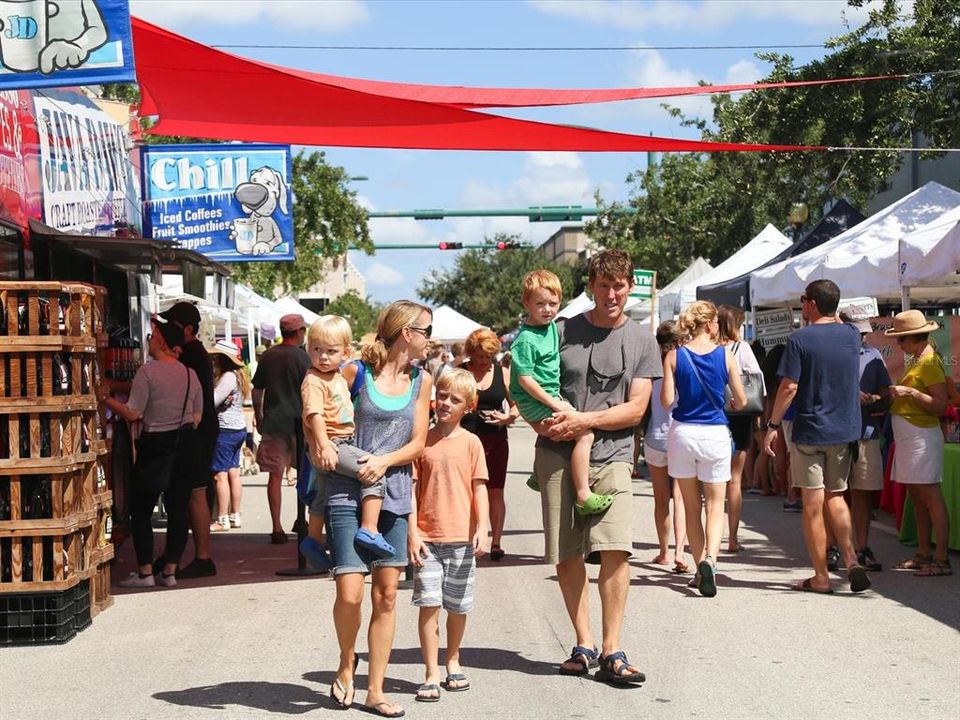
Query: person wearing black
{"type": "Point", "coordinates": [495, 411]}
{"type": "Point", "coordinates": [194, 355]}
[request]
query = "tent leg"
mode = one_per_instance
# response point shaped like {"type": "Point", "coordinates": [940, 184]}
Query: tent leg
{"type": "Point", "coordinates": [904, 297]}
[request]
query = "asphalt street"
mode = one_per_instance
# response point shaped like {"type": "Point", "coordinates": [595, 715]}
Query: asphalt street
{"type": "Point", "coordinates": [250, 644]}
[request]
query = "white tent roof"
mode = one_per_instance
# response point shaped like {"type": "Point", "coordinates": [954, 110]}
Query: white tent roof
{"type": "Point", "coordinates": [583, 303]}
{"type": "Point", "coordinates": [768, 243]}
{"type": "Point", "coordinates": [669, 297]}
{"type": "Point", "coordinates": [288, 305]}
{"type": "Point", "coordinates": [863, 261]}
{"type": "Point", "coordinates": [930, 255]}
{"type": "Point", "coordinates": [451, 326]}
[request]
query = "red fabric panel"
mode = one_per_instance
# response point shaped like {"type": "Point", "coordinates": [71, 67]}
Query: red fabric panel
{"type": "Point", "coordinates": [201, 92]}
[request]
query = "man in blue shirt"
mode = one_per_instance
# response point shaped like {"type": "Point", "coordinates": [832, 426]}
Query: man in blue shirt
{"type": "Point", "coordinates": [821, 372]}
{"type": "Point", "coordinates": [866, 473]}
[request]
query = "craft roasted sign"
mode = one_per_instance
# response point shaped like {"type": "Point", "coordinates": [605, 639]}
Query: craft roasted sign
{"type": "Point", "coordinates": [88, 182]}
{"type": "Point", "coordinates": [230, 202]}
{"type": "Point", "coordinates": [50, 43]}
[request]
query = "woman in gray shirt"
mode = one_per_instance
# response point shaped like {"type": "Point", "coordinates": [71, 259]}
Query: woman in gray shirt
{"type": "Point", "coordinates": [166, 397]}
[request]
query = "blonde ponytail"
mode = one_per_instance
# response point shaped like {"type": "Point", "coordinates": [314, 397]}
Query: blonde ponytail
{"type": "Point", "coordinates": [694, 318]}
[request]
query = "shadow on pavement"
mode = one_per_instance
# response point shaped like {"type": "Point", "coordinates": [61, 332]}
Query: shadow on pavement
{"type": "Point", "coordinates": [482, 658]}
{"type": "Point", "coordinates": [284, 698]}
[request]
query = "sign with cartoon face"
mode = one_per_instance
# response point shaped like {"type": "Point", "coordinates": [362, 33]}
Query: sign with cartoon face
{"type": "Point", "coordinates": [89, 184]}
{"type": "Point", "coordinates": [231, 202]}
{"type": "Point", "coordinates": [50, 43]}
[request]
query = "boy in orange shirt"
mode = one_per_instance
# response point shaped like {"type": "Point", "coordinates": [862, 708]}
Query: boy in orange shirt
{"type": "Point", "coordinates": [328, 430]}
{"type": "Point", "coordinates": [449, 527]}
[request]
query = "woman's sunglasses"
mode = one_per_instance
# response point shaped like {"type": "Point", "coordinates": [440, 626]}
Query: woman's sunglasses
{"type": "Point", "coordinates": [425, 331]}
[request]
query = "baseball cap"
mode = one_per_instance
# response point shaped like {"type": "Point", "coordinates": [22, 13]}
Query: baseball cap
{"type": "Point", "coordinates": [171, 333]}
{"type": "Point", "coordinates": [292, 323]}
{"type": "Point", "coordinates": [860, 323]}
{"type": "Point", "coordinates": [183, 313]}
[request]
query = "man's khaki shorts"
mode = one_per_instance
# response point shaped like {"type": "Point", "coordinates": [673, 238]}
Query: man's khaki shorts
{"type": "Point", "coordinates": [818, 467]}
{"type": "Point", "coordinates": [867, 472]}
{"type": "Point", "coordinates": [275, 453]}
{"type": "Point", "coordinates": [568, 534]}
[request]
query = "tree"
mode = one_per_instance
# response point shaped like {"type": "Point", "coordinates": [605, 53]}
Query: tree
{"type": "Point", "coordinates": [485, 284]}
{"type": "Point", "coordinates": [711, 204]}
{"type": "Point", "coordinates": [327, 220]}
{"type": "Point", "coordinates": [361, 313]}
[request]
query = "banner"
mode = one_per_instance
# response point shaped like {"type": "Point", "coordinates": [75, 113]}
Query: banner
{"type": "Point", "coordinates": [50, 43]}
{"type": "Point", "coordinates": [89, 185]}
{"type": "Point", "coordinates": [19, 159]}
{"type": "Point", "coordinates": [232, 203]}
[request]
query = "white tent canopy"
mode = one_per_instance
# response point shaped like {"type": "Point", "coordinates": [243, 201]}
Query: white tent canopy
{"type": "Point", "coordinates": [288, 305]}
{"type": "Point", "coordinates": [769, 243]}
{"type": "Point", "coordinates": [583, 303]}
{"type": "Point", "coordinates": [863, 261]}
{"type": "Point", "coordinates": [451, 326]}
{"type": "Point", "coordinates": [668, 298]}
{"type": "Point", "coordinates": [930, 255]}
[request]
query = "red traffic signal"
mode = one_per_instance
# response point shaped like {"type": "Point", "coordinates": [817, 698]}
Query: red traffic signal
{"type": "Point", "coordinates": [451, 246]}
{"type": "Point", "coordinates": [507, 244]}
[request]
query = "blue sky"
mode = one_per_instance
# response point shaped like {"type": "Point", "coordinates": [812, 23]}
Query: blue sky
{"type": "Point", "coordinates": [407, 179]}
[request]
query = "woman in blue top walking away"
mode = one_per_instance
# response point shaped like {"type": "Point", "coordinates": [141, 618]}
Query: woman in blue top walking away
{"type": "Point", "coordinates": [698, 442]}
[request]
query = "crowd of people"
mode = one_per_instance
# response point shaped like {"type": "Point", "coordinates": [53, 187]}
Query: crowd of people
{"type": "Point", "coordinates": [408, 454]}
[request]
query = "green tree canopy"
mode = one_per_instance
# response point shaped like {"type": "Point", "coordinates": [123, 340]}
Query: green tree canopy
{"type": "Point", "coordinates": [485, 284]}
{"type": "Point", "coordinates": [712, 204]}
{"type": "Point", "coordinates": [361, 313]}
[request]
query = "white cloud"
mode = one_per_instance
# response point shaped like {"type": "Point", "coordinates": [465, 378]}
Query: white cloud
{"type": "Point", "coordinates": [744, 71]}
{"type": "Point", "coordinates": [705, 15]}
{"type": "Point", "coordinates": [380, 274]}
{"type": "Point", "coordinates": [325, 16]}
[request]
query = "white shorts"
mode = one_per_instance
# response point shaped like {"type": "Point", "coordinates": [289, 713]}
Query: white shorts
{"type": "Point", "coordinates": [657, 458]}
{"type": "Point", "coordinates": [700, 451]}
{"type": "Point", "coordinates": [918, 457]}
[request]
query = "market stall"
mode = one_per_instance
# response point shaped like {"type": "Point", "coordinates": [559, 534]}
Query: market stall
{"type": "Point", "coordinates": [450, 326]}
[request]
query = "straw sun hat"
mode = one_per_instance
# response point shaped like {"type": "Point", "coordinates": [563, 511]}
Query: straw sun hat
{"type": "Point", "coordinates": [910, 322]}
{"type": "Point", "coordinates": [223, 347]}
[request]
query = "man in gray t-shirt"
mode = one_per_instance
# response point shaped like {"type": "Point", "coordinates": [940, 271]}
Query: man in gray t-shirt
{"type": "Point", "coordinates": [607, 365]}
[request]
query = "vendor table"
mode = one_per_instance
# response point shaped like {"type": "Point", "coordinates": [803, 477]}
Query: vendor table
{"type": "Point", "coordinates": [951, 493]}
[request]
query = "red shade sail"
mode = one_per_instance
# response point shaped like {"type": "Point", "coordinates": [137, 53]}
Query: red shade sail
{"type": "Point", "coordinates": [202, 92]}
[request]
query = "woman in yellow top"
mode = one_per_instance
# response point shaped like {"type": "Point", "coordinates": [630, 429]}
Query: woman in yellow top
{"type": "Point", "coordinates": [918, 402]}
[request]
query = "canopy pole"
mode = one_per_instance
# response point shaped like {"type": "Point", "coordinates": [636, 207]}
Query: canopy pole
{"type": "Point", "coordinates": [904, 297]}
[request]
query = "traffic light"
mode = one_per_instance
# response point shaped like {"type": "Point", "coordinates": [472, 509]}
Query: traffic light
{"type": "Point", "coordinates": [451, 246]}
{"type": "Point", "coordinates": [507, 245]}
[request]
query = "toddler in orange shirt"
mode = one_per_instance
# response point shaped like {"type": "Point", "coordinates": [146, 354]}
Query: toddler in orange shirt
{"type": "Point", "coordinates": [449, 528]}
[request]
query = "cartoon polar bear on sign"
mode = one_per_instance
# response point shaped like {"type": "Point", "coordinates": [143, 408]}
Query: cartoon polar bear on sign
{"type": "Point", "coordinates": [260, 198]}
{"type": "Point", "coordinates": [48, 35]}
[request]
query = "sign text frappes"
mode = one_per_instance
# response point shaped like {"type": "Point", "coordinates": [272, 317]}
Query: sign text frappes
{"type": "Point", "coordinates": [232, 203]}
{"type": "Point", "coordinates": [19, 159]}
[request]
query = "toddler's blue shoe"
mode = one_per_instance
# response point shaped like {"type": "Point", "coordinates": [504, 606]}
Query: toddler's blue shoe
{"type": "Point", "coordinates": [315, 553]}
{"type": "Point", "coordinates": [373, 542]}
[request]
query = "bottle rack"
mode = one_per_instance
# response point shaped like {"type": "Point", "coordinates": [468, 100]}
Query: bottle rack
{"type": "Point", "coordinates": [55, 503]}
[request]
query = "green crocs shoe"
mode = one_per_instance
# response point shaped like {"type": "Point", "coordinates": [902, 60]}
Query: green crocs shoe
{"type": "Point", "coordinates": [594, 504]}
{"type": "Point", "coordinates": [532, 483]}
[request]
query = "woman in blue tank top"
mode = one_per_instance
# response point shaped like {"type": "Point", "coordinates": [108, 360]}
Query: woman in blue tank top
{"type": "Point", "coordinates": [698, 442]}
{"type": "Point", "coordinates": [391, 415]}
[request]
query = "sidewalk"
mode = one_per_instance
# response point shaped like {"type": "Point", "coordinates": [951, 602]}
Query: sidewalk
{"type": "Point", "coordinates": [249, 644]}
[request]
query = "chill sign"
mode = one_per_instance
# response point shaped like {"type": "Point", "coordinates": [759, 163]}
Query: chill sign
{"type": "Point", "coordinates": [232, 203]}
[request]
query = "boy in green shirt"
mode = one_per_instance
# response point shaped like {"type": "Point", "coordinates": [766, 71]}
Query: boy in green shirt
{"type": "Point", "coordinates": [535, 378]}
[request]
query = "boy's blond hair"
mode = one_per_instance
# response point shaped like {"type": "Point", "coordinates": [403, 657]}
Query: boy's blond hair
{"type": "Point", "coordinates": [461, 382]}
{"type": "Point", "coordinates": [541, 280]}
{"type": "Point", "coordinates": [332, 329]}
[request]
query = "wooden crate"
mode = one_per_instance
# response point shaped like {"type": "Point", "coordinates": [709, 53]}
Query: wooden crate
{"type": "Point", "coordinates": [48, 315]}
{"type": "Point", "coordinates": [49, 438]}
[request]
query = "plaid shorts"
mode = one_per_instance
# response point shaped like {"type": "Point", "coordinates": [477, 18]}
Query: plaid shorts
{"type": "Point", "coordinates": [446, 578]}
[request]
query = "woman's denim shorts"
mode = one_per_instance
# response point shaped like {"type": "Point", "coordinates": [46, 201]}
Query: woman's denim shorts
{"type": "Point", "coordinates": [343, 521]}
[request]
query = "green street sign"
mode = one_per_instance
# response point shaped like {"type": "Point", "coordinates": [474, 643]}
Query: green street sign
{"type": "Point", "coordinates": [644, 284]}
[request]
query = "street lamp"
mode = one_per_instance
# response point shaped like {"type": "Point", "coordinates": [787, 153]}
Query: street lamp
{"type": "Point", "coordinates": [797, 217]}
